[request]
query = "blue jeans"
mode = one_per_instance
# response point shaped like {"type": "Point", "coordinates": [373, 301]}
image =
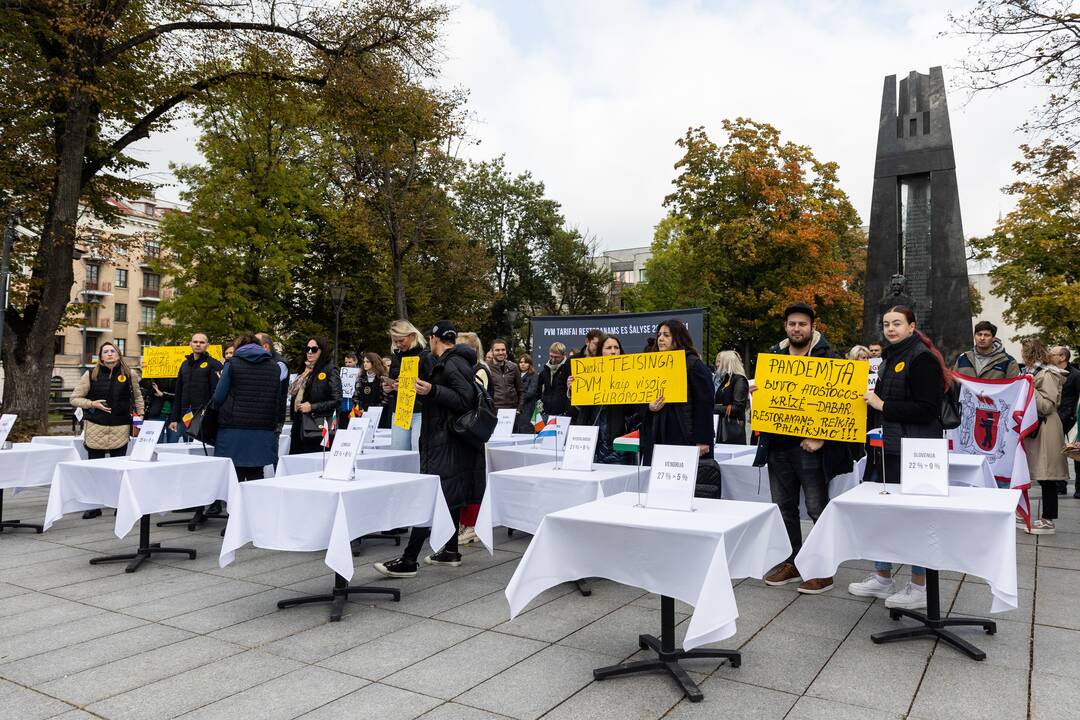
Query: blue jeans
{"type": "Point", "coordinates": [791, 471]}
{"type": "Point", "coordinates": [167, 435]}
{"type": "Point", "coordinates": [887, 567]}
{"type": "Point", "coordinates": [400, 438]}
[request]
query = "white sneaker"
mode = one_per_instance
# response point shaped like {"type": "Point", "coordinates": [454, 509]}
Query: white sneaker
{"type": "Point", "coordinates": [872, 586]}
{"type": "Point", "coordinates": [467, 536]}
{"type": "Point", "coordinates": [912, 597]}
{"type": "Point", "coordinates": [1041, 527]}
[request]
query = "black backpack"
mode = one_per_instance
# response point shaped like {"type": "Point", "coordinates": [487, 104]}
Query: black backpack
{"type": "Point", "coordinates": [475, 426]}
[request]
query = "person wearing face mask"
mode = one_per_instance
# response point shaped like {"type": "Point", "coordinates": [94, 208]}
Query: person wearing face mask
{"type": "Point", "coordinates": [315, 393]}
{"type": "Point", "coordinates": [108, 395]}
{"type": "Point", "coordinates": [551, 385]}
{"type": "Point", "coordinates": [800, 465]}
{"type": "Point", "coordinates": [407, 342]}
{"type": "Point", "coordinates": [912, 381]}
{"type": "Point", "coordinates": [684, 423]}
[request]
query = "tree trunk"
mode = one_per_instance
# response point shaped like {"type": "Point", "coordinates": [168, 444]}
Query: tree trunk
{"type": "Point", "coordinates": [28, 340]}
{"type": "Point", "coordinates": [399, 289]}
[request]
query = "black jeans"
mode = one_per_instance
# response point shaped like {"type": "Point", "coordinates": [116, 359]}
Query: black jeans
{"type": "Point", "coordinates": [421, 534]}
{"type": "Point", "coordinates": [1049, 499]}
{"type": "Point", "coordinates": [95, 454]}
{"type": "Point", "coordinates": [792, 470]}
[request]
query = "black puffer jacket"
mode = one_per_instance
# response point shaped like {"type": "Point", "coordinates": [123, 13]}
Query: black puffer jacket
{"type": "Point", "coordinates": [442, 453]}
{"type": "Point", "coordinates": [551, 391]}
{"type": "Point", "coordinates": [195, 383]}
{"type": "Point", "coordinates": [323, 391]}
{"type": "Point", "coordinates": [912, 387]}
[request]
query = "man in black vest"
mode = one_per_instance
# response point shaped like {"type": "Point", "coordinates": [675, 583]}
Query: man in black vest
{"type": "Point", "coordinates": [195, 383]}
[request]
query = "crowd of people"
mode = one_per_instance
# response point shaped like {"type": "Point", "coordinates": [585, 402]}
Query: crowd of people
{"type": "Point", "coordinates": [255, 396]}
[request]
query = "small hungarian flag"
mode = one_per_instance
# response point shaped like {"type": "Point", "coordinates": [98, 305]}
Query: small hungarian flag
{"type": "Point", "coordinates": [630, 442]}
{"type": "Point", "coordinates": [188, 417]}
{"type": "Point", "coordinates": [875, 438]}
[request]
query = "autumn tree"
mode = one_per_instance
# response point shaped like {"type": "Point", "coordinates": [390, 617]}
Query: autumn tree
{"type": "Point", "coordinates": [84, 79]}
{"type": "Point", "coordinates": [1036, 247]}
{"type": "Point", "coordinates": [1033, 42]}
{"type": "Point", "coordinates": [754, 225]}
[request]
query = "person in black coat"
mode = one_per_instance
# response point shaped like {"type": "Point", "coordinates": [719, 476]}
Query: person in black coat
{"type": "Point", "coordinates": [530, 379]}
{"type": "Point", "coordinates": [551, 386]}
{"type": "Point", "coordinates": [613, 420]}
{"type": "Point", "coordinates": [316, 393]}
{"type": "Point", "coordinates": [732, 397]}
{"type": "Point", "coordinates": [450, 392]}
{"type": "Point", "coordinates": [681, 423]}
{"type": "Point", "coordinates": [408, 342]}
{"type": "Point", "coordinates": [369, 385]}
{"type": "Point", "coordinates": [195, 383]}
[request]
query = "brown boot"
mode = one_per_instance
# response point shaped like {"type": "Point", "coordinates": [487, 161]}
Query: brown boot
{"type": "Point", "coordinates": [782, 574]}
{"type": "Point", "coordinates": [815, 586]}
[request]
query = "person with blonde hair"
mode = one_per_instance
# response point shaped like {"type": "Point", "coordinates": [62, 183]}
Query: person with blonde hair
{"type": "Point", "coordinates": [731, 398]}
{"type": "Point", "coordinates": [407, 341]}
{"type": "Point", "coordinates": [108, 395]}
{"type": "Point", "coordinates": [1046, 464]}
{"type": "Point", "coordinates": [859, 352]}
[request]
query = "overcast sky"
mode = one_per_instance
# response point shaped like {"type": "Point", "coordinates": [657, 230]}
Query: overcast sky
{"type": "Point", "coordinates": [591, 96]}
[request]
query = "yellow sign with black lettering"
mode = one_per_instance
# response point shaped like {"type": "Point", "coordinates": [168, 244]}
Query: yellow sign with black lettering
{"type": "Point", "coordinates": [164, 361]}
{"type": "Point", "coordinates": [808, 397]}
{"type": "Point", "coordinates": [634, 379]}
{"type": "Point", "coordinates": [406, 392]}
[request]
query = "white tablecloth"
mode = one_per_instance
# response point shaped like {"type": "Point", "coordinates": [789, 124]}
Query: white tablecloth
{"type": "Point", "coordinates": [514, 439]}
{"type": "Point", "coordinates": [304, 513]}
{"type": "Point", "coordinates": [972, 530]}
{"type": "Point", "coordinates": [32, 464]}
{"type": "Point", "coordinates": [508, 457]}
{"type": "Point", "coordinates": [970, 470]}
{"type": "Point", "coordinates": [740, 480]}
{"type": "Point", "coordinates": [134, 488]}
{"type": "Point", "coordinates": [519, 498]}
{"type": "Point", "coordinates": [406, 461]}
{"type": "Point", "coordinates": [726, 451]}
{"type": "Point", "coordinates": [184, 448]}
{"type": "Point", "coordinates": [691, 556]}
{"type": "Point", "coordinates": [71, 441]}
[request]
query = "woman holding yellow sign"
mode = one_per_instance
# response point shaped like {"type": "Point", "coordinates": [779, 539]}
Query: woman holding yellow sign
{"type": "Point", "coordinates": [688, 423]}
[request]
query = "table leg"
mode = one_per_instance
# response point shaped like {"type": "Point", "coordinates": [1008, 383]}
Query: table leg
{"type": "Point", "coordinates": [933, 625]}
{"type": "Point", "coordinates": [667, 656]}
{"type": "Point", "coordinates": [145, 549]}
{"type": "Point", "coordinates": [338, 595]}
{"type": "Point", "coordinates": [197, 520]}
{"type": "Point", "coordinates": [392, 535]}
{"type": "Point", "coordinates": [15, 523]}
{"type": "Point", "coordinates": [584, 587]}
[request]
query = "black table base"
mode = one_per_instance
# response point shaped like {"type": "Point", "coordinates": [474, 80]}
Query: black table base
{"type": "Point", "coordinates": [145, 550]}
{"type": "Point", "coordinates": [337, 597]}
{"type": "Point", "coordinates": [13, 524]}
{"type": "Point", "coordinates": [584, 587]}
{"type": "Point", "coordinates": [667, 656]}
{"type": "Point", "coordinates": [197, 520]}
{"type": "Point", "coordinates": [933, 625]}
{"type": "Point", "coordinates": [392, 535]}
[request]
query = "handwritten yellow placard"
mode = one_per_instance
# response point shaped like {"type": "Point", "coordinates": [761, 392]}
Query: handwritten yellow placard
{"type": "Point", "coordinates": [406, 392]}
{"type": "Point", "coordinates": [164, 361]}
{"type": "Point", "coordinates": [633, 379]}
{"type": "Point", "coordinates": [810, 397]}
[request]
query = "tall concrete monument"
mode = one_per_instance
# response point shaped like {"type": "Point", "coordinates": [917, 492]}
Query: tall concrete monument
{"type": "Point", "coordinates": [916, 246]}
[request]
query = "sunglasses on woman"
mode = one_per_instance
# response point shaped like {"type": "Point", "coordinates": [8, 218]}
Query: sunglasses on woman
{"type": "Point", "coordinates": [313, 348]}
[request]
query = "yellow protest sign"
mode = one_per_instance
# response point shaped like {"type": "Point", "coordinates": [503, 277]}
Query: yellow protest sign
{"type": "Point", "coordinates": [633, 379]}
{"type": "Point", "coordinates": [164, 361]}
{"type": "Point", "coordinates": [810, 397]}
{"type": "Point", "coordinates": [406, 392]}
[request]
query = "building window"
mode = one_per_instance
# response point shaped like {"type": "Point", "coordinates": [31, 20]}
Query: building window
{"type": "Point", "coordinates": [120, 312]}
{"type": "Point", "coordinates": [641, 275]}
{"type": "Point", "coordinates": [146, 341]}
{"type": "Point", "coordinates": [58, 345]}
{"type": "Point", "coordinates": [152, 249]}
{"type": "Point", "coordinates": [121, 278]}
{"type": "Point", "coordinates": [92, 274]}
{"type": "Point", "coordinates": [151, 281]}
{"type": "Point", "coordinates": [121, 345]}
{"type": "Point", "coordinates": [148, 314]}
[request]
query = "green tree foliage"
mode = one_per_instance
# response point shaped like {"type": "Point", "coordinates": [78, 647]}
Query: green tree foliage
{"type": "Point", "coordinates": [81, 80]}
{"type": "Point", "coordinates": [1036, 246]}
{"type": "Point", "coordinates": [755, 224]}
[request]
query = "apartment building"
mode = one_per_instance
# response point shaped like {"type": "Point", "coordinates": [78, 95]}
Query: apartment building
{"type": "Point", "coordinates": [115, 281]}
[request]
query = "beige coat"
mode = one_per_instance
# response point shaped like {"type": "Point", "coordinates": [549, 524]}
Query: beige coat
{"type": "Point", "coordinates": [104, 437]}
{"type": "Point", "coordinates": [1045, 461]}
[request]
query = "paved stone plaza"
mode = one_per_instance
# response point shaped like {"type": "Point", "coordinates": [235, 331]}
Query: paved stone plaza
{"type": "Point", "coordinates": [183, 638]}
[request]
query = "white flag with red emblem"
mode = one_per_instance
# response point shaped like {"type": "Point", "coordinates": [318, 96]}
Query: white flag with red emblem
{"type": "Point", "coordinates": [995, 417]}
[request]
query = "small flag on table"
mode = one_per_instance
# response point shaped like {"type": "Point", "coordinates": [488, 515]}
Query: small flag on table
{"type": "Point", "coordinates": [631, 442]}
{"type": "Point", "coordinates": [356, 411]}
{"type": "Point", "coordinates": [875, 438]}
{"type": "Point", "coordinates": [188, 417]}
{"type": "Point", "coordinates": [326, 433]}
{"type": "Point", "coordinates": [549, 430]}
{"type": "Point", "coordinates": [537, 419]}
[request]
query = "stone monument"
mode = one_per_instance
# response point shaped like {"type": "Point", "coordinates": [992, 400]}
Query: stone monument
{"type": "Point", "coordinates": [915, 227]}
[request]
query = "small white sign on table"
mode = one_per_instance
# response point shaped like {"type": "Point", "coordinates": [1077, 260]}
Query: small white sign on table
{"type": "Point", "coordinates": [924, 466]}
{"type": "Point", "coordinates": [343, 453]}
{"type": "Point", "coordinates": [374, 414]}
{"type": "Point", "coordinates": [365, 427]}
{"type": "Point", "coordinates": [580, 447]}
{"type": "Point", "coordinates": [559, 438]}
{"type": "Point", "coordinates": [505, 426]}
{"type": "Point", "coordinates": [7, 421]}
{"type": "Point", "coordinates": [147, 440]}
{"type": "Point", "coordinates": [672, 477]}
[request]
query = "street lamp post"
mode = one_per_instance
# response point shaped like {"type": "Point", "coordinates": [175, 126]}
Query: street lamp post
{"type": "Point", "coordinates": [338, 293]}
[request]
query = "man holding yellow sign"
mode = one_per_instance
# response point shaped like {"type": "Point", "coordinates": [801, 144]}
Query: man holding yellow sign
{"type": "Point", "coordinates": [807, 405]}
